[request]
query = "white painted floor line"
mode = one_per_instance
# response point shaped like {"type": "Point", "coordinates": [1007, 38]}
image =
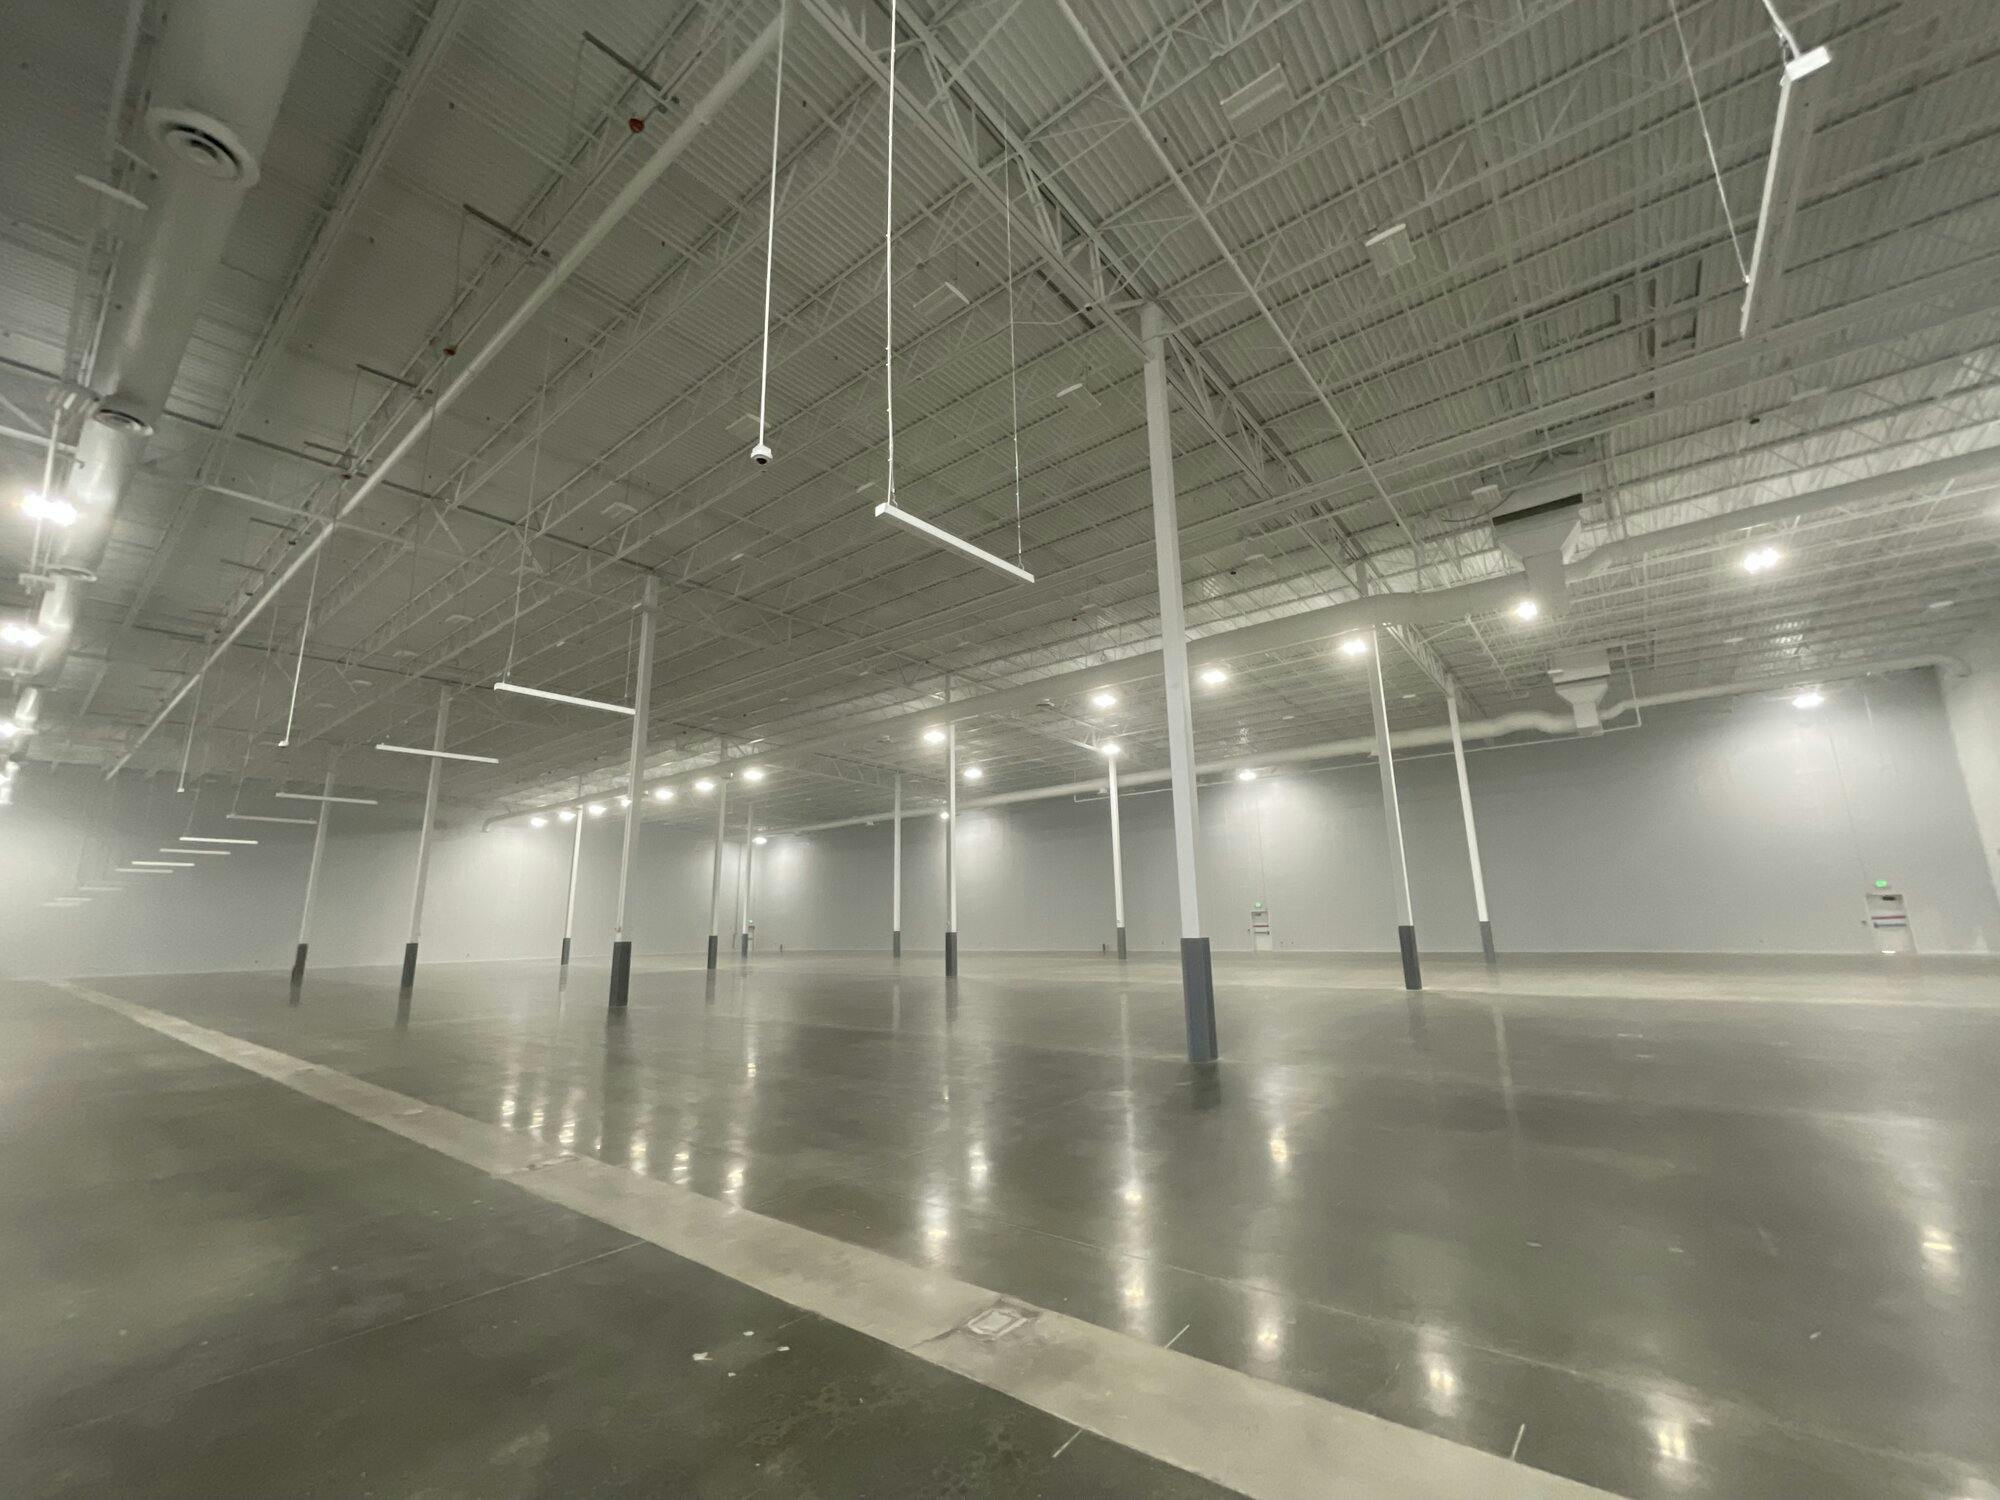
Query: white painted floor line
{"type": "Point", "coordinates": [1262, 1440]}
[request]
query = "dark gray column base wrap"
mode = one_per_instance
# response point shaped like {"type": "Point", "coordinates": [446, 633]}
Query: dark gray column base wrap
{"type": "Point", "coordinates": [565, 957]}
{"type": "Point", "coordinates": [951, 955]}
{"type": "Point", "coordinates": [299, 964]}
{"type": "Point", "coordinates": [745, 940]}
{"type": "Point", "coordinates": [1413, 975]}
{"type": "Point", "coordinates": [1486, 942]}
{"type": "Point", "coordinates": [1198, 998]}
{"type": "Point", "coordinates": [621, 973]}
{"type": "Point", "coordinates": [896, 944]}
{"type": "Point", "coordinates": [1121, 942]}
{"type": "Point", "coordinates": [711, 950]}
{"type": "Point", "coordinates": [409, 964]}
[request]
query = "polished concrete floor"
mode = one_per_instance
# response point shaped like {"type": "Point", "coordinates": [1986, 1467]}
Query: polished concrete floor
{"type": "Point", "coordinates": [1672, 1228]}
{"type": "Point", "coordinates": [214, 1289]}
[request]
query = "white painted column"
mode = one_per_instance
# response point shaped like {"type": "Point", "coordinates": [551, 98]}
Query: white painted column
{"type": "Point", "coordinates": [424, 843]}
{"type": "Point", "coordinates": [896, 877]}
{"type": "Point", "coordinates": [951, 851]}
{"type": "Point", "coordinates": [635, 789]}
{"type": "Point", "coordinates": [1471, 830]}
{"type": "Point", "coordinates": [312, 871]}
{"type": "Point", "coordinates": [1117, 858]}
{"type": "Point", "coordinates": [743, 881]}
{"type": "Point", "coordinates": [715, 884]}
{"type": "Point", "coordinates": [1399, 869]}
{"type": "Point", "coordinates": [575, 865]}
{"type": "Point", "coordinates": [1197, 972]}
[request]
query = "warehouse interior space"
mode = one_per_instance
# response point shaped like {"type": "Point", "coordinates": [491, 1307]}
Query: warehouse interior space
{"type": "Point", "coordinates": [803, 748]}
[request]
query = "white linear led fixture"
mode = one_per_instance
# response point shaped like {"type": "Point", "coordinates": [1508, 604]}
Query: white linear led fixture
{"type": "Point", "coordinates": [323, 797]}
{"type": "Point", "coordinates": [571, 698]}
{"type": "Point", "coordinates": [203, 838]}
{"type": "Point", "coordinates": [206, 853]}
{"type": "Point", "coordinates": [268, 818]}
{"type": "Point", "coordinates": [484, 760]}
{"type": "Point", "coordinates": [141, 868]}
{"type": "Point", "coordinates": [163, 864]}
{"type": "Point", "coordinates": [958, 544]}
{"type": "Point", "coordinates": [1784, 176]}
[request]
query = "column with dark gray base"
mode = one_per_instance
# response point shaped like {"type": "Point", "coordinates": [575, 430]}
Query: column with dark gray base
{"type": "Point", "coordinates": [575, 864]}
{"type": "Point", "coordinates": [1471, 830]}
{"type": "Point", "coordinates": [743, 880]}
{"type": "Point", "coordinates": [1197, 972]}
{"type": "Point", "coordinates": [715, 884]}
{"type": "Point", "coordinates": [635, 789]}
{"type": "Point", "coordinates": [312, 874]}
{"type": "Point", "coordinates": [896, 875]}
{"type": "Point", "coordinates": [1117, 853]}
{"type": "Point", "coordinates": [951, 852]}
{"type": "Point", "coordinates": [1399, 869]}
{"type": "Point", "coordinates": [424, 843]}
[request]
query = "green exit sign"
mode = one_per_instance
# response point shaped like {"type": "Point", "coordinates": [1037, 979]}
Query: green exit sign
{"type": "Point", "coordinates": [1881, 885]}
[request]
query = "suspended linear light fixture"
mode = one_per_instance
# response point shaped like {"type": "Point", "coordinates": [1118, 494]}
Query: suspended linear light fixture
{"type": "Point", "coordinates": [888, 506]}
{"type": "Point", "coordinates": [530, 692]}
{"type": "Point", "coordinates": [202, 838]}
{"type": "Point", "coordinates": [957, 543]}
{"type": "Point", "coordinates": [323, 797]}
{"type": "Point", "coordinates": [237, 817]}
{"type": "Point", "coordinates": [428, 754]}
{"type": "Point", "coordinates": [1784, 176]}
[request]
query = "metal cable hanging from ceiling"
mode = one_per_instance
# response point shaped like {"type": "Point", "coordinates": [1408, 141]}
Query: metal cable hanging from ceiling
{"type": "Point", "coordinates": [888, 507]}
{"type": "Point", "coordinates": [762, 451]}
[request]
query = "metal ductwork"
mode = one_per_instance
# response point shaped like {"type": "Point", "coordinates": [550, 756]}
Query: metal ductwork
{"type": "Point", "coordinates": [1427, 737]}
{"type": "Point", "coordinates": [1583, 678]}
{"type": "Point", "coordinates": [219, 73]}
{"type": "Point", "coordinates": [1538, 525]}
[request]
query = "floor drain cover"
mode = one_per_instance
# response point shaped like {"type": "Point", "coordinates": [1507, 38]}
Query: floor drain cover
{"type": "Point", "coordinates": [995, 1322]}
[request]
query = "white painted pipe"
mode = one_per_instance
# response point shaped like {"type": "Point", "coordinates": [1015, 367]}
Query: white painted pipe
{"type": "Point", "coordinates": [635, 771]}
{"type": "Point", "coordinates": [430, 817]}
{"type": "Point", "coordinates": [1430, 736]}
{"type": "Point", "coordinates": [575, 867]}
{"type": "Point", "coordinates": [614, 212]}
{"type": "Point", "coordinates": [896, 873]}
{"type": "Point", "coordinates": [1465, 806]}
{"type": "Point", "coordinates": [1117, 853]}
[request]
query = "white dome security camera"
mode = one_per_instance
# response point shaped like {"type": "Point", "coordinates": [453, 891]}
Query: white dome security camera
{"type": "Point", "coordinates": [762, 453]}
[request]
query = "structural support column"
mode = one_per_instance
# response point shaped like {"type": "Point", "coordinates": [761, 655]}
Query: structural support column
{"type": "Point", "coordinates": [1117, 858]}
{"type": "Point", "coordinates": [896, 876]}
{"type": "Point", "coordinates": [575, 864]}
{"type": "Point", "coordinates": [951, 851]}
{"type": "Point", "coordinates": [1197, 972]}
{"type": "Point", "coordinates": [1471, 832]}
{"type": "Point", "coordinates": [715, 886]}
{"type": "Point", "coordinates": [312, 873]}
{"type": "Point", "coordinates": [743, 881]}
{"type": "Point", "coordinates": [1399, 869]}
{"type": "Point", "coordinates": [424, 843]}
{"type": "Point", "coordinates": [635, 790]}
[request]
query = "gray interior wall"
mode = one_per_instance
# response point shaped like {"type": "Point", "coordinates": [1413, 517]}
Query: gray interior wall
{"type": "Point", "coordinates": [239, 912]}
{"type": "Point", "coordinates": [500, 895]}
{"type": "Point", "coordinates": [1735, 825]}
{"type": "Point", "coordinates": [1972, 705]}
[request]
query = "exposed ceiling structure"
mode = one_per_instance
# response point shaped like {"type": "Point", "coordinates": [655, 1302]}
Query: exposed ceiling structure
{"type": "Point", "coordinates": [1563, 294]}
